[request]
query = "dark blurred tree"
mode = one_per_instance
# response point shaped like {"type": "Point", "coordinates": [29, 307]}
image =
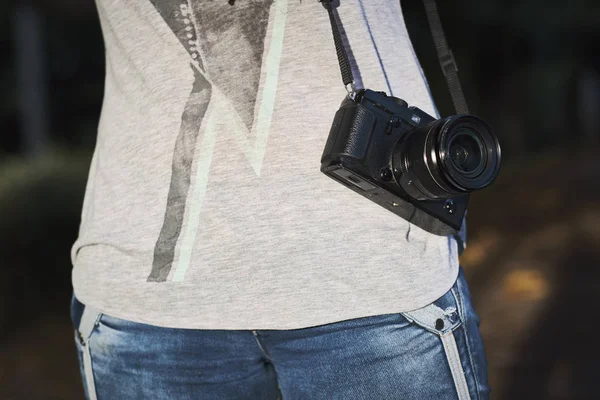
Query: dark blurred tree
{"type": "Point", "coordinates": [8, 111]}
{"type": "Point", "coordinates": [520, 63]}
{"type": "Point", "coordinates": [66, 10]}
{"type": "Point", "coordinates": [40, 208]}
{"type": "Point", "coordinates": [71, 69]}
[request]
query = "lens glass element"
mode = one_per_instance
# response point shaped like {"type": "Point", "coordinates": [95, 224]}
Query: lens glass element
{"type": "Point", "coordinates": [465, 151]}
{"type": "Point", "coordinates": [452, 156]}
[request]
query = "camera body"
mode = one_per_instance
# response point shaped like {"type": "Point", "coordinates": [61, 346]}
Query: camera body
{"type": "Point", "coordinates": [419, 168]}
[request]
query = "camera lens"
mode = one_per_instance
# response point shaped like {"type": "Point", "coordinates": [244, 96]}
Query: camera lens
{"type": "Point", "coordinates": [450, 156]}
{"type": "Point", "coordinates": [466, 152]}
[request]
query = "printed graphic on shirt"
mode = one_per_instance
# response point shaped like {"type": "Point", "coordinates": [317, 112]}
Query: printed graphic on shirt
{"type": "Point", "coordinates": [228, 48]}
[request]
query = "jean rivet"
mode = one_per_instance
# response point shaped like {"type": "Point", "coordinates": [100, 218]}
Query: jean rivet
{"type": "Point", "coordinates": [439, 324]}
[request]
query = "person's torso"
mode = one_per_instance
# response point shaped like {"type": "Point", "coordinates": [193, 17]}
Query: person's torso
{"type": "Point", "coordinates": [205, 191]}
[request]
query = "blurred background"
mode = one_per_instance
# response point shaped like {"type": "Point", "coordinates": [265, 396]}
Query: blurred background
{"type": "Point", "coordinates": [531, 68]}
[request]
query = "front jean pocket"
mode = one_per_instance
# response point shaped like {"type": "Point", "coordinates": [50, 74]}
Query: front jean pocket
{"type": "Point", "coordinates": [88, 323]}
{"type": "Point", "coordinates": [452, 319]}
{"type": "Point", "coordinates": [441, 316]}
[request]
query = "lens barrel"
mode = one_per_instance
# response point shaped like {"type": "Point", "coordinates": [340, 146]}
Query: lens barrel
{"type": "Point", "coordinates": [451, 156]}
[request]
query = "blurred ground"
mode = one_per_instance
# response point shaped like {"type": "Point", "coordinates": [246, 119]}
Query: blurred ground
{"type": "Point", "coordinates": [531, 263]}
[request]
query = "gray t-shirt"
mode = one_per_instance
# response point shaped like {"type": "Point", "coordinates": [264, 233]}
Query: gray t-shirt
{"type": "Point", "coordinates": [205, 206]}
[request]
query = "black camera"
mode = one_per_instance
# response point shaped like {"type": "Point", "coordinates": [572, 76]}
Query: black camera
{"type": "Point", "coordinates": [418, 167]}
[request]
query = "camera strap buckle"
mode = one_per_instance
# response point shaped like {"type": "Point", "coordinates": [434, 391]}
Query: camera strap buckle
{"type": "Point", "coordinates": [448, 63]}
{"type": "Point", "coordinates": [351, 89]}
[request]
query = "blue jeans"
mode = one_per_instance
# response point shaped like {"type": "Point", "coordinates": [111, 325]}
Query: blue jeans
{"type": "Point", "coordinates": [435, 352]}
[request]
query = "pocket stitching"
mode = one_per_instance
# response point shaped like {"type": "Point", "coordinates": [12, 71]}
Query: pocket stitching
{"type": "Point", "coordinates": [85, 341]}
{"type": "Point", "coordinates": [462, 311]}
{"type": "Point", "coordinates": [449, 325]}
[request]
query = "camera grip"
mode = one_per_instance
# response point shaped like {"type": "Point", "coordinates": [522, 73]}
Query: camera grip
{"type": "Point", "coordinates": [350, 134]}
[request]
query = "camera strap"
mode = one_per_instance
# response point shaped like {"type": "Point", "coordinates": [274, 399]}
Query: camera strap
{"type": "Point", "coordinates": [342, 55]}
{"type": "Point", "coordinates": [445, 56]}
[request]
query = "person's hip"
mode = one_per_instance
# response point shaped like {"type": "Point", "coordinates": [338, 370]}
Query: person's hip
{"type": "Point", "coordinates": [432, 352]}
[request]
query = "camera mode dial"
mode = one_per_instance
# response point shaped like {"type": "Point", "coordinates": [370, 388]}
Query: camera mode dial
{"type": "Point", "coordinates": [398, 101]}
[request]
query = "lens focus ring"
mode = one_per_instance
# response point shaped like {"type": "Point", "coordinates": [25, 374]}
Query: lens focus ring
{"type": "Point", "coordinates": [452, 156]}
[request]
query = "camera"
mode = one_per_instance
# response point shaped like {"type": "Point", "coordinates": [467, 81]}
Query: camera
{"type": "Point", "coordinates": [416, 166]}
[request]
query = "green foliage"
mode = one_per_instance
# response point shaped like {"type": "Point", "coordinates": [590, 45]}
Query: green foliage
{"type": "Point", "coordinates": [40, 207]}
